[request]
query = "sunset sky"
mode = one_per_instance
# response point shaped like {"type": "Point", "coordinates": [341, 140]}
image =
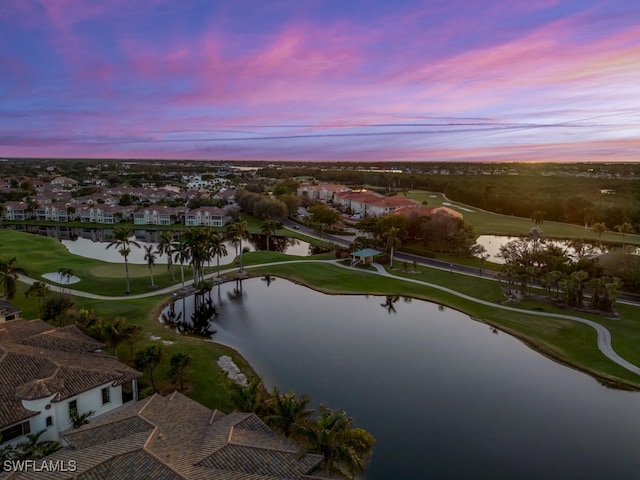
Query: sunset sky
{"type": "Point", "coordinates": [472, 80]}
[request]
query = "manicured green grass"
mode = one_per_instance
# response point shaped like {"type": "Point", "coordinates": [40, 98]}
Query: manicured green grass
{"type": "Point", "coordinates": [488, 223]}
{"type": "Point", "coordinates": [39, 255]}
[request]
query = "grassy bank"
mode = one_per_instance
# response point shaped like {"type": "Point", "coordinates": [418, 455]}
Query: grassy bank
{"type": "Point", "coordinates": [488, 223]}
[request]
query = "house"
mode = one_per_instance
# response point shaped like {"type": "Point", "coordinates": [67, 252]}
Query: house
{"type": "Point", "coordinates": [46, 373]}
{"type": "Point", "coordinates": [16, 211]}
{"type": "Point", "coordinates": [207, 216]}
{"type": "Point", "coordinates": [411, 212]}
{"type": "Point", "coordinates": [64, 182]}
{"type": "Point", "coordinates": [54, 213]}
{"type": "Point", "coordinates": [8, 311]}
{"type": "Point", "coordinates": [323, 192]}
{"type": "Point", "coordinates": [161, 215]}
{"type": "Point", "coordinates": [387, 205]}
{"type": "Point", "coordinates": [174, 437]}
{"type": "Point", "coordinates": [357, 203]}
{"type": "Point", "coordinates": [107, 214]}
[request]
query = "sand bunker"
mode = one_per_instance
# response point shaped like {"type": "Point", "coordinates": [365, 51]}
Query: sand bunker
{"type": "Point", "coordinates": [57, 278]}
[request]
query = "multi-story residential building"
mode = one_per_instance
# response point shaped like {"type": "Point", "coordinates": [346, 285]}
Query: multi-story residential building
{"type": "Point", "coordinates": [54, 213]}
{"type": "Point", "coordinates": [16, 211]}
{"type": "Point", "coordinates": [106, 214]}
{"type": "Point", "coordinates": [160, 215]}
{"type": "Point", "coordinates": [207, 216]}
{"type": "Point", "coordinates": [323, 192]}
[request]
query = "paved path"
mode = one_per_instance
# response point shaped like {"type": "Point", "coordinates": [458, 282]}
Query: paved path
{"type": "Point", "coordinates": [603, 334]}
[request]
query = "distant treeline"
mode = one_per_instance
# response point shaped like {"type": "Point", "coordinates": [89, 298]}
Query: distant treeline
{"type": "Point", "coordinates": [565, 198]}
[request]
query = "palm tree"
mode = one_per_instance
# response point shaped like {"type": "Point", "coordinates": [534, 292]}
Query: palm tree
{"type": "Point", "coordinates": [217, 248]}
{"type": "Point", "coordinates": [65, 275]}
{"type": "Point", "coordinates": [236, 232]}
{"type": "Point", "coordinates": [182, 254]}
{"type": "Point", "coordinates": [393, 242]}
{"type": "Point", "coordinates": [33, 449]}
{"type": "Point", "coordinates": [268, 229]}
{"type": "Point", "coordinates": [345, 449]}
{"type": "Point", "coordinates": [9, 274]}
{"type": "Point", "coordinates": [167, 246]}
{"type": "Point", "coordinates": [121, 241]}
{"type": "Point", "coordinates": [150, 257]}
{"type": "Point", "coordinates": [287, 412]}
{"type": "Point", "coordinates": [38, 290]}
{"type": "Point", "coordinates": [599, 228]}
{"type": "Point", "coordinates": [196, 244]}
{"type": "Point", "coordinates": [624, 228]}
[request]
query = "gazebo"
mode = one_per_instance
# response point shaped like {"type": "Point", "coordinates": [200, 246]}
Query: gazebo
{"type": "Point", "coordinates": [365, 255]}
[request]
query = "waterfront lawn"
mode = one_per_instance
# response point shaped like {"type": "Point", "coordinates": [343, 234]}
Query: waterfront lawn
{"type": "Point", "coordinates": [207, 383]}
{"type": "Point", "coordinates": [39, 255]}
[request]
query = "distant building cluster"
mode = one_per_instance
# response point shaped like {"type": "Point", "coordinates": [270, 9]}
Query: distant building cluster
{"type": "Point", "coordinates": [365, 203]}
{"type": "Point", "coordinates": [55, 201]}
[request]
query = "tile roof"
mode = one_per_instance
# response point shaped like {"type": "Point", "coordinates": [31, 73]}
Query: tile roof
{"type": "Point", "coordinates": [174, 437]}
{"type": "Point", "coordinates": [38, 361]}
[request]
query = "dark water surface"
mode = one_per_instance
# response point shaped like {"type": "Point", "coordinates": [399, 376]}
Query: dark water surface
{"type": "Point", "coordinates": [444, 396]}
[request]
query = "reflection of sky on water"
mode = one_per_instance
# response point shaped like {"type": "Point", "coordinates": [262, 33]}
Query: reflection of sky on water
{"type": "Point", "coordinates": [492, 244]}
{"type": "Point", "coordinates": [85, 247]}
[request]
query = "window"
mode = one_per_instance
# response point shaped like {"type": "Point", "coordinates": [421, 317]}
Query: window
{"type": "Point", "coordinates": [73, 406]}
{"type": "Point", "coordinates": [106, 395]}
{"type": "Point", "coordinates": [15, 431]}
{"type": "Point", "coordinates": [49, 421]}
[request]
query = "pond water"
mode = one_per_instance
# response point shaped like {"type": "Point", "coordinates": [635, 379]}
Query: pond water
{"type": "Point", "coordinates": [445, 396]}
{"type": "Point", "coordinates": [492, 244]}
{"type": "Point", "coordinates": [92, 243]}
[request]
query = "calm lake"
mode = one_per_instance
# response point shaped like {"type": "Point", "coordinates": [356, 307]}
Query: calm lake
{"type": "Point", "coordinates": [92, 243]}
{"type": "Point", "coordinates": [444, 395]}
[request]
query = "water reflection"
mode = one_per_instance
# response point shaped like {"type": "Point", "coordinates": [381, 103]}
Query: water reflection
{"type": "Point", "coordinates": [574, 249]}
{"type": "Point", "coordinates": [481, 406]}
{"type": "Point", "coordinates": [92, 243]}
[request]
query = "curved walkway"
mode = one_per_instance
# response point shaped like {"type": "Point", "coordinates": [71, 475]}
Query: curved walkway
{"type": "Point", "coordinates": [603, 334]}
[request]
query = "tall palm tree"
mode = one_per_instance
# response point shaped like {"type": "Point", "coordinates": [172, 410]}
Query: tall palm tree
{"type": "Point", "coordinates": [393, 242]}
{"type": "Point", "coordinates": [9, 275]}
{"type": "Point", "coordinates": [236, 232]}
{"type": "Point", "coordinates": [624, 229]}
{"type": "Point", "coordinates": [196, 241]}
{"type": "Point", "coordinates": [599, 228]}
{"type": "Point", "coordinates": [150, 257]}
{"type": "Point", "coordinates": [217, 248]}
{"type": "Point", "coordinates": [181, 252]}
{"type": "Point", "coordinates": [167, 246]}
{"type": "Point", "coordinates": [345, 449]}
{"type": "Point", "coordinates": [122, 241]}
{"type": "Point", "coordinates": [268, 229]}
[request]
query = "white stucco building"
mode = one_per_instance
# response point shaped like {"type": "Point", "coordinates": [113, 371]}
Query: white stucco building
{"type": "Point", "coordinates": [45, 373]}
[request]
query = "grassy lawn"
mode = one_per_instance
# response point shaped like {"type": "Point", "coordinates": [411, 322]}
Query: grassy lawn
{"type": "Point", "coordinates": [488, 223]}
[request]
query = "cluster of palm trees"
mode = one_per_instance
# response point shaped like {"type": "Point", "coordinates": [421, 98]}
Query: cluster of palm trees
{"type": "Point", "coordinates": [196, 247]}
{"type": "Point", "coordinates": [346, 449]}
